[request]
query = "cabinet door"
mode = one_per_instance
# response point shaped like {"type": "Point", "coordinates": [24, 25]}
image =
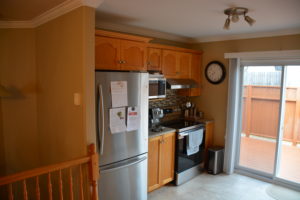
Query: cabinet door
{"type": "Point", "coordinates": [196, 74]}
{"type": "Point", "coordinates": [209, 127]}
{"type": "Point", "coordinates": [133, 55]}
{"type": "Point", "coordinates": [107, 53]}
{"type": "Point", "coordinates": [167, 154]}
{"type": "Point", "coordinates": [153, 163]}
{"type": "Point", "coordinates": [184, 65]}
{"type": "Point", "coordinates": [169, 64]}
{"type": "Point", "coordinates": [154, 59]}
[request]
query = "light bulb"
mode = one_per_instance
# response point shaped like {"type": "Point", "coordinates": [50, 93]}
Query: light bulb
{"type": "Point", "coordinates": [249, 20]}
{"type": "Point", "coordinates": [235, 18]}
{"type": "Point", "coordinates": [227, 24]}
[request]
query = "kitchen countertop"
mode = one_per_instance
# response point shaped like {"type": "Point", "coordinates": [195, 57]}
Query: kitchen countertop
{"type": "Point", "coordinates": [165, 131]}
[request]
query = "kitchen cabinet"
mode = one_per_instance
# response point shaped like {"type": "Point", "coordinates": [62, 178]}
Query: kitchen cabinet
{"type": "Point", "coordinates": [209, 128]}
{"type": "Point", "coordinates": [195, 74]}
{"type": "Point", "coordinates": [184, 65]}
{"type": "Point", "coordinates": [133, 55]}
{"type": "Point", "coordinates": [176, 64]}
{"type": "Point", "coordinates": [161, 160]}
{"type": "Point", "coordinates": [169, 63]}
{"type": "Point", "coordinates": [107, 51]}
{"type": "Point", "coordinates": [154, 59]}
{"type": "Point", "coordinates": [117, 51]}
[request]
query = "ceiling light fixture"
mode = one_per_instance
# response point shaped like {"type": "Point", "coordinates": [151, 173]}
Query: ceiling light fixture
{"type": "Point", "coordinates": [233, 15]}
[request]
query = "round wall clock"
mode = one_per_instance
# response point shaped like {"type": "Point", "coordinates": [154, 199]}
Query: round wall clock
{"type": "Point", "coordinates": [215, 72]}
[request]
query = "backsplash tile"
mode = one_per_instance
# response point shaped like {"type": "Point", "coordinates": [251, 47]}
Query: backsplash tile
{"type": "Point", "coordinates": [172, 100]}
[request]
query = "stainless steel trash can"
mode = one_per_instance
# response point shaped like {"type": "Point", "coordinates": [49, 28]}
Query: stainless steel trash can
{"type": "Point", "coordinates": [216, 159]}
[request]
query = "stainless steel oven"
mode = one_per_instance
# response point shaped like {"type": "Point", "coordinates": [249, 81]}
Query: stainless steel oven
{"type": "Point", "coordinates": [157, 86]}
{"type": "Point", "coordinates": [187, 165]}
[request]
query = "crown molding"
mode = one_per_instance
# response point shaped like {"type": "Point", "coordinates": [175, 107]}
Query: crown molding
{"type": "Point", "coordinates": [247, 36]}
{"type": "Point", "coordinates": [51, 14]}
{"type": "Point", "coordinates": [16, 24]}
{"type": "Point", "coordinates": [141, 31]}
{"type": "Point", "coordinates": [287, 54]}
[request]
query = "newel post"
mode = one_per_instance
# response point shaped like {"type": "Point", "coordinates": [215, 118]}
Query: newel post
{"type": "Point", "coordinates": [94, 170]}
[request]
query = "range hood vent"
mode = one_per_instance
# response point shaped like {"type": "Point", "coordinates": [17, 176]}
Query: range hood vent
{"type": "Point", "coordinates": [175, 84]}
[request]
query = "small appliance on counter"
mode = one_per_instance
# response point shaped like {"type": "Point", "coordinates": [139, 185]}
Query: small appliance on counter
{"type": "Point", "coordinates": [189, 156]}
{"type": "Point", "coordinates": [155, 114]}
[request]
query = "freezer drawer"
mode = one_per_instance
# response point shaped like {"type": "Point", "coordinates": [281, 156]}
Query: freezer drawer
{"type": "Point", "coordinates": [125, 180]}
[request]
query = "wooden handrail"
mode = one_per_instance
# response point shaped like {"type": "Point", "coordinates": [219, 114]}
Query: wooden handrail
{"type": "Point", "coordinates": [91, 160]}
{"type": "Point", "coordinates": [42, 170]}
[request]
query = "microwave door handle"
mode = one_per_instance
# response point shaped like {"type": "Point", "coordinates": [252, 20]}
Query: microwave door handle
{"type": "Point", "coordinates": [101, 116]}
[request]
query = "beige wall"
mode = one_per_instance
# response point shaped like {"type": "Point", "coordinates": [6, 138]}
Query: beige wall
{"type": "Point", "coordinates": [63, 67]}
{"type": "Point", "coordinates": [19, 113]}
{"type": "Point", "coordinates": [44, 67]}
{"type": "Point", "coordinates": [213, 100]}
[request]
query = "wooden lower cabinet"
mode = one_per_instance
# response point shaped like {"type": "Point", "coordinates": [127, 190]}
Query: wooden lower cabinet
{"type": "Point", "coordinates": [161, 160]}
{"type": "Point", "coordinates": [209, 128]}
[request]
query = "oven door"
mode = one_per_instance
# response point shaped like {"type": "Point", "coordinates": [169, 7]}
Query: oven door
{"type": "Point", "coordinates": [183, 161]}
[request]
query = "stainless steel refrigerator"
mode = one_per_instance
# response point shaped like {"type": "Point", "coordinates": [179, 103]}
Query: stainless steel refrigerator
{"type": "Point", "coordinates": [123, 156]}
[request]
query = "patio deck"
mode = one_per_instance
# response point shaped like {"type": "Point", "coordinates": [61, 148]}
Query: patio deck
{"type": "Point", "coordinates": [260, 155]}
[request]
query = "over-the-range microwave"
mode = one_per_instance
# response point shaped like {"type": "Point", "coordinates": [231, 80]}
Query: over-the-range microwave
{"type": "Point", "coordinates": [157, 86]}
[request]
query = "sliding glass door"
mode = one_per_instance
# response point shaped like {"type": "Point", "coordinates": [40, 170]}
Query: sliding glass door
{"type": "Point", "coordinates": [260, 116]}
{"type": "Point", "coordinates": [269, 139]}
{"type": "Point", "coordinates": [289, 150]}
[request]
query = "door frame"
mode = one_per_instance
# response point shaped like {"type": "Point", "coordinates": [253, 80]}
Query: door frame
{"type": "Point", "coordinates": [268, 177]}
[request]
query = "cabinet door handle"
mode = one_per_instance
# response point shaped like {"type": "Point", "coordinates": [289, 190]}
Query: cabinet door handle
{"type": "Point", "coordinates": [120, 61]}
{"type": "Point", "coordinates": [123, 61]}
{"type": "Point", "coordinates": [148, 63]}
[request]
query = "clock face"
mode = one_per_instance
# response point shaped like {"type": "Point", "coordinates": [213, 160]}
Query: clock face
{"type": "Point", "coordinates": [215, 72]}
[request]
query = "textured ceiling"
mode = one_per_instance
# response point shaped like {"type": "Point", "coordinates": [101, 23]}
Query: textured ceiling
{"type": "Point", "coordinates": [200, 18]}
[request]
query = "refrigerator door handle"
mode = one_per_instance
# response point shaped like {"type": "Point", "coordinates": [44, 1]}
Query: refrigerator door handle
{"type": "Point", "coordinates": [120, 166]}
{"type": "Point", "coordinates": [101, 116]}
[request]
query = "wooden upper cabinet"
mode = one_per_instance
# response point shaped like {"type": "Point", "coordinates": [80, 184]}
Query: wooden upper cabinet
{"type": "Point", "coordinates": [167, 158]}
{"type": "Point", "coordinates": [196, 74]}
{"type": "Point", "coordinates": [133, 55]}
{"type": "Point", "coordinates": [184, 65]}
{"type": "Point", "coordinates": [154, 59]}
{"type": "Point", "coordinates": [153, 163]}
{"type": "Point", "coordinates": [107, 53]}
{"type": "Point", "coordinates": [169, 63]}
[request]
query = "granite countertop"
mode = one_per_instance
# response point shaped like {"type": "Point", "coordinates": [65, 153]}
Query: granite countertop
{"type": "Point", "coordinates": [165, 131]}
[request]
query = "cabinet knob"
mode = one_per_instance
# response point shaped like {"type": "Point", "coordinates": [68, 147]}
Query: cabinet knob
{"type": "Point", "coordinates": [123, 61]}
{"type": "Point", "coordinates": [120, 61]}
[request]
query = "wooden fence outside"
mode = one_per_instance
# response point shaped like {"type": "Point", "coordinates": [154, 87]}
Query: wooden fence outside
{"type": "Point", "coordinates": [261, 112]}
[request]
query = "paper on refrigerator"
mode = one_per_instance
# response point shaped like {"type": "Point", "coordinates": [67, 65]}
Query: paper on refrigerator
{"type": "Point", "coordinates": [118, 93]}
{"type": "Point", "coordinates": [117, 120]}
{"type": "Point", "coordinates": [133, 118]}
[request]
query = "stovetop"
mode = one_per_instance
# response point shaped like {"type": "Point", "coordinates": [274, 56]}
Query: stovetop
{"type": "Point", "coordinates": [182, 125]}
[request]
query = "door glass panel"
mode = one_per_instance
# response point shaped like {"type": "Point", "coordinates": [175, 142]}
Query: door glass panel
{"type": "Point", "coordinates": [289, 158]}
{"type": "Point", "coordinates": [260, 117]}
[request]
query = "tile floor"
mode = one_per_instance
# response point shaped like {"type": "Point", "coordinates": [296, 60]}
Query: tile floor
{"type": "Point", "coordinates": [215, 187]}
